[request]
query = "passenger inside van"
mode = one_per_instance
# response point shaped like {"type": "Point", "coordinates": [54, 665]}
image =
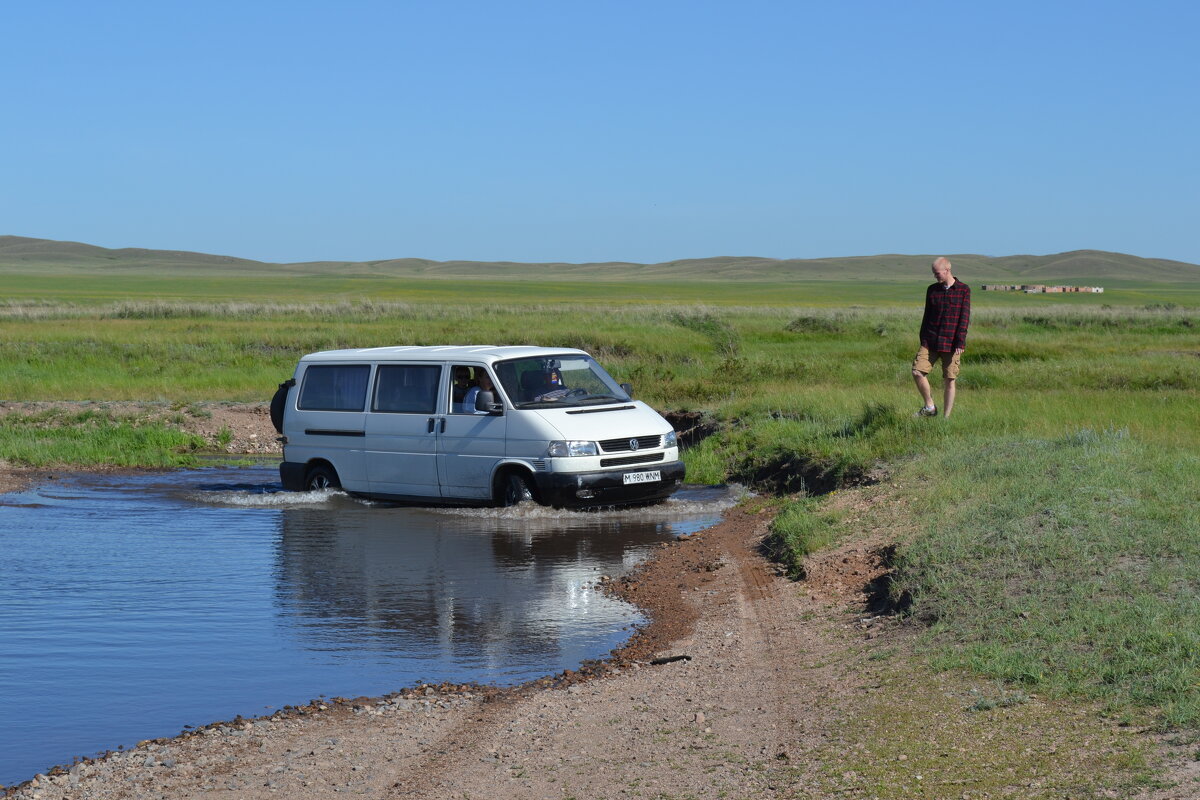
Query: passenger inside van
{"type": "Point", "coordinates": [483, 384]}
{"type": "Point", "coordinates": [458, 389]}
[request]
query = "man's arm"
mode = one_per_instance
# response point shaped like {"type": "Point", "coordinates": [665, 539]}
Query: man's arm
{"type": "Point", "coordinates": [927, 317]}
{"type": "Point", "coordinates": [964, 319]}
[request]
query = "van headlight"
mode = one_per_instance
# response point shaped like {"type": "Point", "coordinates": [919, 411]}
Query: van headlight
{"type": "Point", "coordinates": [671, 439]}
{"type": "Point", "coordinates": [571, 447]}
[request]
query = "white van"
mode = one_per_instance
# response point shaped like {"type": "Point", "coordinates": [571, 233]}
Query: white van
{"type": "Point", "coordinates": [472, 425]}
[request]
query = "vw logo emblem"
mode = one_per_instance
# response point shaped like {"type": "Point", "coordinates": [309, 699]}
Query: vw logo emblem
{"type": "Point", "coordinates": [633, 444]}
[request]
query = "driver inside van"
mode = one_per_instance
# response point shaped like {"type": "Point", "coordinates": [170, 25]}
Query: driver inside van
{"type": "Point", "coordinates": [555, 388]}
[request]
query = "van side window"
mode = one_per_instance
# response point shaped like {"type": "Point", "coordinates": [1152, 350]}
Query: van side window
{"type": "Point", "coordinates": [334, 387]}
{"type": "Point", "coordinates": [407, 389]}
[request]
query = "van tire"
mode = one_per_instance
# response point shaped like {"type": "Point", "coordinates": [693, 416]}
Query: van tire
{"type": "Point", "coordinates": [321, 477]}
{"type": "Point", "coordinates": [515, 489]}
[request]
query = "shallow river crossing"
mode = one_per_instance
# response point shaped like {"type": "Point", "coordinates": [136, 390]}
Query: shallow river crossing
{"type": "Point", "coordinates": [133, 605]}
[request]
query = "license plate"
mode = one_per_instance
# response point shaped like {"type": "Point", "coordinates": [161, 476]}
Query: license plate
{"type": "Point", "coordinates": [643, 477]}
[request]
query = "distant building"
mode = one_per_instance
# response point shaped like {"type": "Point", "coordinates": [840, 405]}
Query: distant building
{"type": "Point", "coordinates": [1038, 288]}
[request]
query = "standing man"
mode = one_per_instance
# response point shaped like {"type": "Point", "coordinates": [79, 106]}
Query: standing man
{"type": "Point", "coordinates": [943, 335]}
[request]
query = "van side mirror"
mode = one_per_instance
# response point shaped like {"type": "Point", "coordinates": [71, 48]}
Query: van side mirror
{"type": "Point", "coordinates": [628, 387]}
{"type": "Point", "coordinates": [486, 401]}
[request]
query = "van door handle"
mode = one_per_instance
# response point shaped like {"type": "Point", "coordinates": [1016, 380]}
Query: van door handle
{"type": "Point", "coordinates": [429, 428]}
{"type": "Point", "coordinates": [443, 430]}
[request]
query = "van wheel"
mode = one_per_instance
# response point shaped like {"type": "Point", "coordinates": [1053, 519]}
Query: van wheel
{"type": "Point", "coordinates": [516, 489]}
{"type": "Point", "coordinates": [322, 477]}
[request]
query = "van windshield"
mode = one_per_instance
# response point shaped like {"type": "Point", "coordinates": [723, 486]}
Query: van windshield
{"type": "Point", "coordinates": [555, 381]}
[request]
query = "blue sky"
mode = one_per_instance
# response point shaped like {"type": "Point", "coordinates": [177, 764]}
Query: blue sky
{"type": "Point", "coordinates": [572, 131]}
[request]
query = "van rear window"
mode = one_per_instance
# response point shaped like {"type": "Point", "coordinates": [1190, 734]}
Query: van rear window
{"type": "Point", "coordinates": [340, 387]}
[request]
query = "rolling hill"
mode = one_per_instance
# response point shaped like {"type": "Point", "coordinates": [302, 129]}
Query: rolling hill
{"type": "Point", "coordinates": [23, 255]}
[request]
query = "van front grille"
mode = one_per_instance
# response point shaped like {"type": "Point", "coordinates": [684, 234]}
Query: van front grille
{"type": "Point", "coordinates": [622, 445]}
{"type": "Point", "coordinates": [649, 458]}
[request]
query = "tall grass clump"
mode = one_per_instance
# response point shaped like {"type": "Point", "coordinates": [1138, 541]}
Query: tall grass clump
{"type": "Point", "coordinates": [726, 342]}
{"type": "Point", "coordinates": [724, 338]}
{"type": "Point", "coordinates": [1069, 565]}
{"type": "Point", "coordinates": [36, 309]}
{"type": "Point", "coordinates": [798, 530]}
{"type": "Point", "coordinates": [816, 323]}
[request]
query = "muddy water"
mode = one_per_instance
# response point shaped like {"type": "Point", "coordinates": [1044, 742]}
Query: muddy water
{"type": "Point", "coordinates": [131, 606]}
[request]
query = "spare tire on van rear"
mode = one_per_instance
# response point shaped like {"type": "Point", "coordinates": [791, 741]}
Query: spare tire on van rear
{"type": "Point", "coordinates": [278, 402]}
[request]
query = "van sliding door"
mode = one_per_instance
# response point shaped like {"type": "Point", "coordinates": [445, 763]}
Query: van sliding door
{"type": "Point", "coordinates": [402, 431]}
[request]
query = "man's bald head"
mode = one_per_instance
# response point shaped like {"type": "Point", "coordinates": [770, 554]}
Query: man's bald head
{"type": "Point", "coordinates": [941, 270]}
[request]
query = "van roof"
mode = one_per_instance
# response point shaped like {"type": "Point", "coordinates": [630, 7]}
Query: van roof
{"type": "Point", "coordinates": [472, 353]}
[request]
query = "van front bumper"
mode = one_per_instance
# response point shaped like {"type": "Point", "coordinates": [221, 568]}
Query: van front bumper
{"type": "Point", "coordinates": [607, 488]}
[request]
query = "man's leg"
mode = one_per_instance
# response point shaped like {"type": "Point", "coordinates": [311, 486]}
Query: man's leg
{"type": "Point", "coordinates": [922, 382]}
{"type": "Point", "coordinates": [950, 364]}
{"type": "Point", "coordinates": [921, 368]}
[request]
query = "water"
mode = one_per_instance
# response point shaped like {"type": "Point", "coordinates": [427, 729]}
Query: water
{"type": "Point", "coordinates": [133, 605]}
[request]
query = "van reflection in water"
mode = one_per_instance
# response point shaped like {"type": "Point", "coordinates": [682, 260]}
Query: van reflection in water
{"type": "Point", "coordinates": [478, 589]}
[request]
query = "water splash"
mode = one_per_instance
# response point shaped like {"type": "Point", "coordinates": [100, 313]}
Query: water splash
{"type": "Point", "coordinates": [689, 501]}
{"type": "Point", "coordinates": [272, 496]}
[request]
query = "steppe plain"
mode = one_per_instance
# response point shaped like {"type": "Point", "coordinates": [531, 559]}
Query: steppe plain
{"type": "Point", "coordinates": [999, 604]}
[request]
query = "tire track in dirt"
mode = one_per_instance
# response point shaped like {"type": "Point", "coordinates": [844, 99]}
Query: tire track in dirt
{"type": "Point", "coordinates": [772, 611]}
{"type": "Point", "coordinates": [462, 742]}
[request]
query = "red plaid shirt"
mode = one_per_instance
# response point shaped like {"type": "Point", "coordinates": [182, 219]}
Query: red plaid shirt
{"type": "Point", "coordinates": [947, 314]}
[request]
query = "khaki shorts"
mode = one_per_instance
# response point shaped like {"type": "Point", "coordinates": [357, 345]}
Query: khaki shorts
{"type": "Point", "coordinates": [925, 360]}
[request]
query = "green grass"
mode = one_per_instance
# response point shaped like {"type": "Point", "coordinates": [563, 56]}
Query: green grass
{"type": "Point", "coordinates": [1056, 536]}
{"type": "Point", "coordinates": [94, 437]}
{"type": "Point", "coordinates": [94, 288]}
{"type": "Point", "coordinates": [1069, 566]}
{"type": "Point", "coordinates": [801, 527]}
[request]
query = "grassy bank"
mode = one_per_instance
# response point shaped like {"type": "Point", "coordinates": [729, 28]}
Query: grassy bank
{"type": "Point", "coordinates": [1049, 537]}
{"type": "Point", "coordinates": [94, 437]}
{"type": "Point", "coordinates": [1066, 566]}
{"type": "Point", "coordinates": [1070, 566]}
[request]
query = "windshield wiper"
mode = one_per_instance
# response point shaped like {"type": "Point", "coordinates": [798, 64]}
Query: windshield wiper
{"type": "Point", "coordinates": [565, 402]}
{"type": "Point", "coordinates": [604, 398]}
